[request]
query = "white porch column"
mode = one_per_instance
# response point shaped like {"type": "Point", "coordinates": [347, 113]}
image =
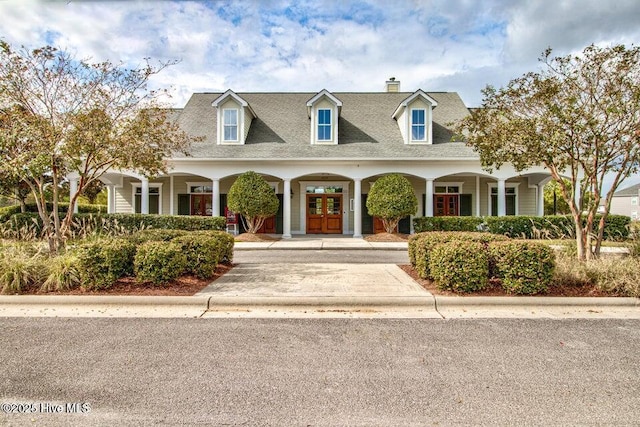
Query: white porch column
{"type": "Point", "coordinates": [111, 199]}
{"type": "Point", "coordinates": [144, 197]}
{"type": "Point", "coordinates": [540, 200]}
{"type": "Point", "coordinates": [73, 189]}
{"type": "Point", "coordinates": [215, 199]}
{"type": "Point", "coordinates": [357, 208]}
{"type": "Point", "coordinates": [171, 196]}
{"type": "Point", "coordinates": [428, 202]}
{"type": "Point", "coordinates": [286, 209]}
{"type": "Point", "coordinates": [502, 201]}
{"type": "Point", "coordinates": [478, 195]}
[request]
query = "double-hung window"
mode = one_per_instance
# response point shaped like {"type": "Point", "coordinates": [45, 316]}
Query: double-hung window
{"type": "Point", "coordinates": [418, 125]}
{"type": "Point", "coordinates": [230, 124]}
{"type": "Point", "coordinates": [324, 125]}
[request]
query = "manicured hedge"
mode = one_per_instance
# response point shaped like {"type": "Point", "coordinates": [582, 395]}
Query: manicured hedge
{"type": "Point", "coordinates": [159, 262]}
{"type": "Point", "coordinates": [464, 262]}
{"type": "Point", "coordinates": [155, 255]}
{"type": "Point", "coordinates": [523, 267]}
{"type": "Point", "coordinates": [420, 246]}
{"type": "Point", "coordinates": [7, 211]}
{"type": "Point", "coordinates": [104, 261]}
{"type": "Point", "coordinates": [460, 266]}
{"type": "Point", "coordinates": [447, 223]}
{"type": "Point", "coordinates": [526, 227]}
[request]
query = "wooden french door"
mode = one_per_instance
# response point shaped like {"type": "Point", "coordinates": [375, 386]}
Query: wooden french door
{"type": "Point", "coordinates": [201, 204]}
{"type": "Point", "coordinates": [446, 205]}
{"type": "Point", "coordinates": [324, 213]}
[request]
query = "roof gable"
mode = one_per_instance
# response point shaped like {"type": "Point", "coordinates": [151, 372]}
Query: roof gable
{"type": "Point", "coordinates": [419, 93]}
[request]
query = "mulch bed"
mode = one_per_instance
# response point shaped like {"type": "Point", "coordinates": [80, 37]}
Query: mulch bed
{"type": "Point", "coordinates": [248, 237]}
{"type": "Point", "coordinates": [494, 288]}
{"type": "Point", "coordinates": [387, 237]}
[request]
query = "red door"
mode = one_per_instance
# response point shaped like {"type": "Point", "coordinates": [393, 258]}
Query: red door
{"type": "Point", "coordinates": [324, 214]}
{"type": "Point", "coordinates": [446, 205]}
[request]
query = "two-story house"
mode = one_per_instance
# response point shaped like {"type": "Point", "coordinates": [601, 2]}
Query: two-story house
{"type": "Point", "coordinates": [321, 152]}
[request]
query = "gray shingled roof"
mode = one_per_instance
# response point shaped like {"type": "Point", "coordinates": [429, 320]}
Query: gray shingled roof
{"type": "Point", "coordinates": [366, 128]}
{"type": "Point", "coordinates": [628, 192]}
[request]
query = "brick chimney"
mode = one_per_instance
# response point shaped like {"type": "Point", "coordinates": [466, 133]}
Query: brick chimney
{"type": "Point", "coordinates": [392, 85]}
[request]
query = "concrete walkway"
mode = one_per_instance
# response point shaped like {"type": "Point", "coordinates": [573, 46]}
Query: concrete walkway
{"type": "Point", "coordinates": [317, 290]}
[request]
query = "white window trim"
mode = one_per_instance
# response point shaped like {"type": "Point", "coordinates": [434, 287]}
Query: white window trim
{"type": "Point", "coordinates": [634, 201]}
{"type": "Point", "coordinates": [447, 184]}
{"type": "Point", "coordinates": [334, 126]}
{"type": "Point", "coordinates": [198, 184]}
{"type": "Point", "coordinates": [135, 185]}
{"type": "Point", "coordinates": [426, 125]}
{"type": "Point", "coordinates": [303, 203]}
{"type": "Point", "coordinates": [507, 185]}
{"type": "Point", "coordinates": [324, 141]}
{"type": "Point", "coordinates": [238, 127]}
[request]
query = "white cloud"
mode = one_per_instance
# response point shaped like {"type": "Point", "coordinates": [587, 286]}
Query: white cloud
{"type": "Point", "coordinates": [453, 45]}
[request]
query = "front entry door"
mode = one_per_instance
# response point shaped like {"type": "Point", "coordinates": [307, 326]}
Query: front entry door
{"type": "Point", "coordinates": [201, 204]}
{"type": "Point", "coordinates": [446, 205]}
{"type": "Point", "coordinates": [324, 213]}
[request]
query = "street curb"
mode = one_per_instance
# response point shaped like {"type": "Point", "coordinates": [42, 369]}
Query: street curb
{"type": "Point", "coordinates": [453, 301]}
{"type": "Point", "coordinates": [217, 302]}
{"type": "Point", "coordinates": [200, 302]}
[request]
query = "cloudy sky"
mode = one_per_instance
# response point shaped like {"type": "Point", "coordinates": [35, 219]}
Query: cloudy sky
{"type": "Point", "coordinates": [437, 45]}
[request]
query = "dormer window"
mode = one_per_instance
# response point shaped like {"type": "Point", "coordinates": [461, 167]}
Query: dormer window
{"type": "Point", "coordinates": [233, 118]}
{"type": "Point", "coordinates": [230, 124]}
{"type": "Point", "coordinates": [324, 111]}
{"type": "Point", "coordinates": [414, 116]}
{"type": "Point", "coordinates": [418, 125]}
{"type": "Point", "coordinates": [324, 125]}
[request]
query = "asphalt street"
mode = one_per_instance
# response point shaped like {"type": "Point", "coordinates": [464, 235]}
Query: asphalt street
{"type": "Point", "coordinates": [322, 256]}
{"type": "Point", "coordinates": [319, 372]}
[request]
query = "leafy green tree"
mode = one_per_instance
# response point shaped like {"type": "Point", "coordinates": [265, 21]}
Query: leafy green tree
{"type": "Point", "coordinates": [392, 198]}
{"type": "Point", "coordinates": [60, 115]}
{"type": "Point", "coordinates": [92, 190]}
{"type": "Point", "coordinates": [579, 118]}
{"type": "Point", "coordinates": [253, 198]}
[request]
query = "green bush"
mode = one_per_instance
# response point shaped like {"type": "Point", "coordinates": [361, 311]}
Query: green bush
{"type": "Point", "coordinates": [460, 266]}
{"type": "Point", "coordinates": [155, 235]}
{"type": "Point", "coordinates": [554, 226]}
{"type": "Point", "coordinates": [203, 254]}
{"type": "Point", "coordinates": [523, 267]}
{"type": "Point", "coordinates": [391, 199]}
{"type": "Point", "coordinates": [447, 223]}
{"type": "Point", "coordinates": [104, 261]}
{"type": "Point", "coordinates": [253, 198]}
{"type": "Point", "coordinates": [225, 244]}
{"type": "Point", "coordinates": [159, 262]}
{"type": "Point", "coordinates": [420, 246]}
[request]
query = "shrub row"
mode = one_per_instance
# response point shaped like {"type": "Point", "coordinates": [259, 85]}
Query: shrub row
{"type": "Point", "coordinates": [420, 246]}
{"type": "Point", "coordinates": [464, 262]}
{"type": "Point", "coordinates": [157, 256]}
{"type": "Point", "coordinates": [528, 227]}
{"type": "Point", "coordinates": [116, 224]}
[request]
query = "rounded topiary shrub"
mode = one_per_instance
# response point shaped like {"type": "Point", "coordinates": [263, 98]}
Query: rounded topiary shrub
{"type": "Point", "coordinates": [102, 262]}
{"type": "Point", "coordinates": [159, 262]}
{"type": "Point", "coordinates": [253, 198]}
{"type": "Point", "coordinates": [523, 267]}
{"type": "Point", "coordinates": [392, 198]}
{"type": "Point", "coordinates": [203, 253]}
{"type": "Point", "coordinates": [460, 266]}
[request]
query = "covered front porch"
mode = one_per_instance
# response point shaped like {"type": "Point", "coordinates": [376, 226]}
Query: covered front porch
{"type": "Point", "coordinates": [331, 200]}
